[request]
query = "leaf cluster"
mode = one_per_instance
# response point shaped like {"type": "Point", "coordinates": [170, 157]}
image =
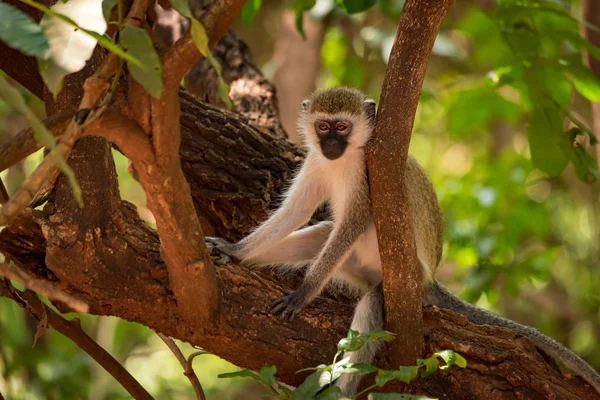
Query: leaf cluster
{"type": "Point", "coordinates": [319, 384]}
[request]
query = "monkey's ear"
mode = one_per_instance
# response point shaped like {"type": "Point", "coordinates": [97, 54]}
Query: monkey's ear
{"type": "Point", "coordinates": [370, 110]}
{"type": "Point", "coordinates": [305, 104]}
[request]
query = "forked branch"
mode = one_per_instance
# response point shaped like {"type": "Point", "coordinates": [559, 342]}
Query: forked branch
{"type": "Point", "coordinates": [42, 287]}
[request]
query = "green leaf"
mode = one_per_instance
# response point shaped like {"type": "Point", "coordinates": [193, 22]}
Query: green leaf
{"type": "Point", "coordinates": [240, 374]}
{"type": "Point", "coordinates": [182, 7]}
{"type": "Point", "coordinates": [585, 81]}
{"type": "Point", "coordinates": [201, 40]}
{"type": "Point", "coordinates": [310, 387]}
{"type": "Point", "coordinates": [52, 75]}
{"type": "Point", "coordinates": [21, 32]}
{"type": "Point", "coordinates": [397, 396]}
{"type": "Point", "coordinates": [404, 374]}
{"type": "Point", "coordinates": [451, 358]}
{"type": "Point", "coordinates": [355, 341]}
{"type": "Point", "coordinates": [545, 126]}
{"type": "Point", "coordinates": [267, 375]}
{"type": "Point", "coordinates": [107, 6]}
{"type": "Point", "coordinates": [431, 364]}
{"type": "Point", "coordinates": [474, 110]}
{"type": "Point", "coordinates": [331, 393]}
{"type": "Point", "coordinates": [249, 11]}
{"type": "Point", "coordinates": [285, 390]}
{"type": "Point", "coordinates": [356, 6]}
{"type": "Point", "coordinates": [358, 369]}
{"type": "Point", "coordinates": [138, 43]}
{"type": "Point", "coordinates": [299, 6]}
{"type": "Point", "coordinates": [199, 37]}
{"type": "Point", "coordinates": [13, 98]}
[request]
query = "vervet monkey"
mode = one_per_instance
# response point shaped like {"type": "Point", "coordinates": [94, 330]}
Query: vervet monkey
{"type": "Point", "coordinates": [336, 124]}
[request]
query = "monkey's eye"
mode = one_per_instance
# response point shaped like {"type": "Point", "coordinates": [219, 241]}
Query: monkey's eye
{"type": "Point", "coordinates": [341, 127]}
{"type": "Point", "coordinates": [323, 127]}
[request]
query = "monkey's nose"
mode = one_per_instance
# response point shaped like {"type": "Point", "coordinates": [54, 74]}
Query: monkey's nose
{"type": "Point", "coordinates": [333, 143]}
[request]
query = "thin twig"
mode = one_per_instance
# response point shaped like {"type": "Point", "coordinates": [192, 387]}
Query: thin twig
{"type": "Point", "coordinates": [72, 330]}
{"type": "Point", "coordinates": [186, 364]}
{"type": "Point", "coordinates": [10, 271]}
{"type": "Point", "coordinates": [23, 143]}
{"type": "Point", "coordinates": [34, 182]}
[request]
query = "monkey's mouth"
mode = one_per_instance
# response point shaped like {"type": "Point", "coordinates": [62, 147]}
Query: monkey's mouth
{"type": "Point", "coordinates": [333, 151]}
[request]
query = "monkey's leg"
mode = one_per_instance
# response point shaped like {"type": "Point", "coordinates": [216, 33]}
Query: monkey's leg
{"type": "Point", "coordinates": [368, 316]}
{"type": "Point", "coordinates": [297, 249]}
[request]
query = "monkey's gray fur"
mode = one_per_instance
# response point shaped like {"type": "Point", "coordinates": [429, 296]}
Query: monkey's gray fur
{"type": "Point", "coordinates": [336, 125]}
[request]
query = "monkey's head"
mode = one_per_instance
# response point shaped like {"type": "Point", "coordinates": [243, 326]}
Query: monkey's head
{"type": "Point", "coordinates": [337, 120]}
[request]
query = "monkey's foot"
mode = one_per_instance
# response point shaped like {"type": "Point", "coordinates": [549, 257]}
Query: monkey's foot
{"type": "Point", "coordinates": [218, 249]}
{"type": "Point", "coordinates": [288, 305]}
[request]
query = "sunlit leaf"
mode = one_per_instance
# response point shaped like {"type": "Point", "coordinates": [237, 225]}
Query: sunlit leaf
{"type": "Point", "coordinates": [21, 32]}
{"type": "Point", "coordinates": [137, 42]}
{"type": "Point", "coordinates": [585, 82]}
{"type": "Point", "coordinates": [451, 358]}
{"type": "Point", "coordinates": [71, 47]}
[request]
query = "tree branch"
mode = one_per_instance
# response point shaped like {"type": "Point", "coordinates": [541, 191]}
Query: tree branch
{"type": "Point", "coordinates": [188, 371]}
{"type": "Point", "coordinates": [191, 273]}
{"type": "Point", "coordinates": [386, 158]}
{"type": "Point", "coordinates": [32, 184]}
{"type": "Point", "coordinates": [72, 329]}
{"type": "Point", "coordinates": [42, 287]}
{"type": "Point", "coordinates": [23, 144]}
{"type": "Point", "coordinates": [183, 55]}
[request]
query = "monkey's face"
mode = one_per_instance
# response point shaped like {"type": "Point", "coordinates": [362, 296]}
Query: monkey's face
{"type": "Point", "coordinates": [333, 136]}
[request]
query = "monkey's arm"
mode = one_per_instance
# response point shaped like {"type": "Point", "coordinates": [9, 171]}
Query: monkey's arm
{"type": "Point", "coordinates": [298, 248]}
{"type": "Point", "coordinates": [336, 251]}
{"type": "Point", "coordinates": [301, 200]}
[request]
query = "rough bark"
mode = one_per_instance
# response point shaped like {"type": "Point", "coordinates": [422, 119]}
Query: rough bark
{"type": "Point", "coordinates": [386, 156]}
{"type": "Point", "coordinates": [252, 95]}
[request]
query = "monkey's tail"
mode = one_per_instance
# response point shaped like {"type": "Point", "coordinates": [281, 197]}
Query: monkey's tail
{"type": "Point", "coordinates": [438, 295]}
{"type": "Point", "coordinates": [368, 316]}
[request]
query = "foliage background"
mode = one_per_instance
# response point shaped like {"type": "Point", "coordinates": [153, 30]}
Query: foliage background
{"type": "Point", "coordinates": [517, 241]}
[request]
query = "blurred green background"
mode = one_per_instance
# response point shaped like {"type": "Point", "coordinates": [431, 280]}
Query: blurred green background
{"type": "Point", "coordinates": [522, 234]}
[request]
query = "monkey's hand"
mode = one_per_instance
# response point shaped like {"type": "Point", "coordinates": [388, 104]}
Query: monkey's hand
{"type": "Point", "coordinates": [220, 248]}
{"type": "Point", "coordinates": [290, 304]}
